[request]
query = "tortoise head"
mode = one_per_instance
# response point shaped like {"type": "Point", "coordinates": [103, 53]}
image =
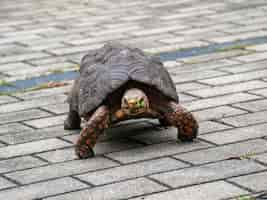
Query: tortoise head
{"type": "Point", "coordinates": [134, 101]}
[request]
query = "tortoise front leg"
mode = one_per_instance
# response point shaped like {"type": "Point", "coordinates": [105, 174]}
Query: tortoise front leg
{"type": "Point", "coordinates": [73, 120]}
{"type": "Point", "coordinates": [178, 116]}
{"type": "Point", "coordinates": [92, 129]}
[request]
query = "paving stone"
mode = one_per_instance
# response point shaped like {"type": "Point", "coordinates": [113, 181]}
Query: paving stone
{"type": "Point", "coordinates": [23, 105]}
{"type": "Point", "coordinates": [209, 191]}
{"type": "Point", "coordinates": [13, 128]}
{"type": "Point", "coordinates": [186, 98]}
{"type": "Point", "coordinates": [155, 151]}
{"type": "Point", "coordinates": [189, 76]}
{"type": "Point", "coordinates": [175, 47]}
{"type": "Point", "coordinates": [77, 49]}
{"type": "Point", "coordinates": [157, 30]}
{"type": "Point", "coordinates": [236, 78]}
{"type": "Point", "coordinates": [219, 101]}
{"type": "Point", "coordinates": [235, 37]}
{"type": "Point", "coordinates": [43, 92]}
{"type": "Point", "coordinates": [61, 169]}
{"type": "Point", "coordinates": [217, 113]}
{"type": "Point", "coordinates": [42, 70]}
{"type": "Point", "coordinates": [261, 157]}
{"type": "Point", "coordinates": [27, 136]}
{"type": "Point", "coordinates": [7, 99]}
{"type": "Point", "coordinates": [22, 115]}
{"type": "Point", "coordinates": [260, 47]}
{"type": "Point", "coordinates": [224, 152]}
{"type": "Point", "coordinates": [22, 57]}
{"type": "Point", "coordinates": [32, 147]}
{"type": "Point", "coordinates": [261, 92]}
{"type": "Point", "coordinates": [4, 183]}
{"type": "Point", "coordinates": [256, 182]}
{"type": "Point", "coordinates": [131, 171]}
{"type": "Point", "coordinates": [40, 190]}
{"type": "Point", "coordinates": [253, 106]}
{"type": "Point", "coordinates": [57, 108]}
{"type": "Point", "coordinates": [247, 119]}
{"type": "Point", "coordinates": [189, 86]}
{"type": "Point", "coordinates": [233, 88]}
{"type": "Point", "coordinates": [14, 66]}
{"type": "Point", "coordinates": [62, 155]}
{"type": "Point", "coordinates": [19, 163]}
{"type": "Point", "coordinates": [46, 122]}
{"type": "Point", "coordinates": [210, 65]}
{"type": "Point", "coordinates": [246, 67]}
{"type": "Point", "coordinates": [213, 56]}
{"type": "Point", "coordinates": [208, 172]}
{"type": "Point", "coordinates": [237, 134]}
{"type": "Point", "coordinates": [157, 136]}
{"type": "Point", "coordinates": [121, 190]}
{"type": "Point", "coordinates": [252, 57]}
{"type": "Point", "coordinates": [210, 126]}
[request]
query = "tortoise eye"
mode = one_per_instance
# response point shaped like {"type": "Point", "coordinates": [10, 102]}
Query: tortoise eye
{"type": "Point", "coordinates": [141, 102]}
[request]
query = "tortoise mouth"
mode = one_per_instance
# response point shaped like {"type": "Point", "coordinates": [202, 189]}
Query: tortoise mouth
{"type": "Point", "coordinates": [134, 111]}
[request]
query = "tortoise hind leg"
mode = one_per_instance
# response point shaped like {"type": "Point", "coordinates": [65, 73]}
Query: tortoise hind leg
{"type": "Point", "coordinates": [92, 129]}
{"type": "Point", "coordinates": [73, 120]}
{"type": "Point", "coordinates": [178, 116]}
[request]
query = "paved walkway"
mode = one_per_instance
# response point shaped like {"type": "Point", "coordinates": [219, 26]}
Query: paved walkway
{"type": "Point", "coordinates": [226, 89]}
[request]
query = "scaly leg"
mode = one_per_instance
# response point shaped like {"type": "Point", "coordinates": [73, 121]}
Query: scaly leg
{"type": "Point", "coordinates": [93, 128]}
{"type": "Point", "coordinates": [73, 120]}
{"type": "Point", "coordinates": [178, 116]}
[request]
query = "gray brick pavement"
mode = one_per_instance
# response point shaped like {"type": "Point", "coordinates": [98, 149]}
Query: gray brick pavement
{"type": "Point", "coordinates": [226, 90]}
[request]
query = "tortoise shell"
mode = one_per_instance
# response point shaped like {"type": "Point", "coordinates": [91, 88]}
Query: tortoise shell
{"type": "Point", "coordinates": [104, 70]}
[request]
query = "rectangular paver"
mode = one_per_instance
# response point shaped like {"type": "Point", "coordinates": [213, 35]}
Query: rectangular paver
{"type": "Point", "coordinates": [209, 191]}
{"type": "Point", "coordinates": [32, 147]}
{"type": "Point", "coordinates": [246, 76]}
{"type": "Point", "coordinates": [209, 172]}
{"type": "Point", "coordinates": [40, 190]}
{"type": "Point", "coordinates": [233, 88]}
{"type": "Point", "coordinates": [122, 190]}
{"type": "Point", "coordinates": [247, 119]}
{"type": "Point", "coordinates": [217, 113]}
{"type": "Point", "coordinates": [154, 151]}
{"type": "Point", "coordinates": [131, 171]}
{"type": "Point", "coordinates": [237, 134]}
{"type": "Point", "coordinates": [61, 169]}
{"type": "Point", "coordinates": [22, 115]}
{"type": "Point", "coordinates": [219, 101]}
{"type": "Point", "coordinates": [224, 152]}
{"type": "Point", "coordinates": [19, 163]}
{"type": "Point", "coordinates": [256, 182]}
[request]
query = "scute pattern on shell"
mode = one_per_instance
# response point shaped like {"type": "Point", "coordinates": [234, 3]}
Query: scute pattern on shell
{"type": "Point", "coordinates": [104, 70]}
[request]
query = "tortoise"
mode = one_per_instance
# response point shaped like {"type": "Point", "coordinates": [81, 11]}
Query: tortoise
{"type": "Point", "coordinates": [117, 83]}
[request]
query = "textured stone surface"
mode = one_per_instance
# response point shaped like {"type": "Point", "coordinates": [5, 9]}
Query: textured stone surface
{"type": "Point", "coordinates": [61, 169]}
{"type": "Point", "coordinates": [225, 88]}
{"type": "Point", "coordinates": [256, 182]}
{"type": "Point", "coordinates": [32, 147]}
{"type": "Point", "coordinates": [224, 152]}
{"type": "Point", "coordinates": [217, 113]}
{"type": "Point", "coordinates": [237, 134]}
{"type": "Point", "coordinates": [209, 172]}
{"type": "Point", "coordinates": [115, 191]}
{"type": "Point", "coordinates": [131, 171]}
{"type": "Point", "coordinates": [209, 191]}
{"type": "Point", "coordinates": [19, 163]}
{"type": "Point", "coordinates": [39, 190]}
{"type": "Point", "coordinates": [154, 151]}
{"type": "Point", "coordinates": [248, 119]}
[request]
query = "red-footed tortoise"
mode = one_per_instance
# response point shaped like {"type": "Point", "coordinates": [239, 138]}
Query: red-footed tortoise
{"type": "Point", "coordinates": [118, 83]}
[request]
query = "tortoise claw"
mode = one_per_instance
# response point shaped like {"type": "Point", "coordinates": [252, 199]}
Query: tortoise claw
{"type": "Point", "coordinates": [84, 151]}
